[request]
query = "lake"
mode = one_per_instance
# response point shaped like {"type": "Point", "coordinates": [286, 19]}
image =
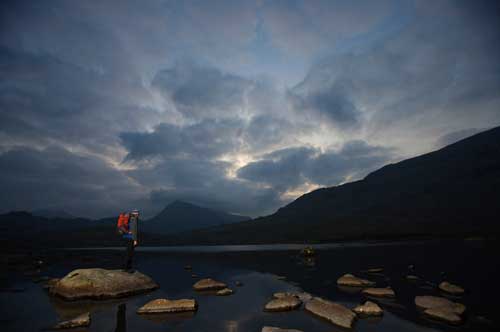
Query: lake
{"type": "Point", "coordinates": [263, 270]}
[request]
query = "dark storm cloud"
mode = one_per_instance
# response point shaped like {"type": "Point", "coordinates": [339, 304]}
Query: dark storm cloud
{"type": "Point", "coordinates": [202, 91]}
{"type": "Point", "coordinates": [205, 139]}
{"type": "Point", "coordinates": [331, 103]}
{"type": "Point", "coordinates": [289, 168]}
{"type": "Point", "coordinates": [57, 178]}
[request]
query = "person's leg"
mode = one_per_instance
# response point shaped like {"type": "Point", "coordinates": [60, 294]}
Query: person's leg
{"type": "Point", "coordinates": [130, 252]}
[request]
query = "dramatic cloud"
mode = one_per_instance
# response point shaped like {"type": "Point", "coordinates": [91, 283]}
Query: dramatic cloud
{"type": "Point", "coordinates": [289, 168]}
{"type": "Point", "coordinates": [238, 105]}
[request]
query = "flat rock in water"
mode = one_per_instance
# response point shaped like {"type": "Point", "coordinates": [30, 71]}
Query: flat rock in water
{"type": "Point", "coordinates": [333, 312]}
{"type": "Point", "coordinates": [283, 304]}
{"type": "Point", "coordinates": [224, 292]}
{"type": "Point", "coordinates": [82, 320]}
{"type": "Point", "coordinates": [412, 277]}
{"type": "Point", "coordinates": [303, 296]}
{"type": "Point", "coordinates": [369, 309]}
{"type": "Point", "coordinates": [353, 281]}
{"type": "Point", "coordinates": [435, 302]}
{"type": "Point", "coordinates": [443, 314]}
{"type": "Point", "coordinates": [277, 329]}
{"type": "Point", "coordinates": [379, 292]}
{"type": "Point", "coordinates": [208, 284]}
{"type": "Point", "coordinates": [101, 284]}
{"type": "Point", "coordinates": [446, 287]}
{"type": "Point", "coordinates": [168, 306]}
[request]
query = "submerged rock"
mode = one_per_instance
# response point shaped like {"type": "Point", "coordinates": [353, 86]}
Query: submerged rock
{"type": "Point", "coordinates": [82, 320]}
{"type": "Point", "coordinates": [238, 283]}
{"type": "Point", "coordinates": [208, 284]}
{"type": "Point", "coordinates": [441, 308]}
{"type": "Point", "coordinates": [168, 306]}
{"type": "Point", "coordinates": [101, 284]}
{"type": "Point", "coordinates": [224, 292]}
{"type": "Point", "coordinates": [449, 288]}
{"type": "Point", "coordinates": [333, 312]}
{"type": "Point", "coordinates": [412, 277]}
{"type": "Point", "coordinates": [379, 292]}
{"type": "Point", "coordinates": [352, 281]}
{"type": "Point", "coordinates": [284, 303]}
{"type": "Point", "coordinates": [277, 329]}
{"type": "Point", "coordinates": [369, 309]}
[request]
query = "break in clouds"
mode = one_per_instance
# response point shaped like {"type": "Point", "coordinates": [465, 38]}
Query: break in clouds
{"type": "Point", "coordinates": [236, 105]}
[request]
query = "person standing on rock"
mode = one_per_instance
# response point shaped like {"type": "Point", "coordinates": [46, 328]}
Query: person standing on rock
{"type": "Point", "coordinates": [128, 226]}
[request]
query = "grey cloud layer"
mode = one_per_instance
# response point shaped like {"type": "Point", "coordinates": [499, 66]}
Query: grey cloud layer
{"type": "Point", "coordinates": [105, 105]}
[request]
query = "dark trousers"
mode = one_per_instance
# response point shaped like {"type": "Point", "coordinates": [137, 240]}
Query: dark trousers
{"type": "Point", "coordinates": [129, 254]}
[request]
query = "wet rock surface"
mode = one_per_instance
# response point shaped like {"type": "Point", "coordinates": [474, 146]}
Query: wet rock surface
{"type": "Point", "coordinates": [451, 288]}
{"type": "Point", "coordinates": [441, 308]}
{"type": "Point", "coordinates": [168, 306]}
{"type": "Point", "coordinates": [284, 303]}
{"type": "Point", "coordinates": [208, 284]}
{"type": "Point", "coordinates": [101, 284]}
{"type": "Point", "coordinates": [369, 309]}
{"type": "Point", "coordinates": [82, 320]}
{"type": "Point", "coordinates": [333, 312]}
{"type": "Point", "coordinates": [303, 296]}
{"type": "Point", "coordinates": [224, 292]}
{"type": "Point", "coordinates": [379, 292]}
{"type": "Point", "coordinates": [277, 329]}
{"type": "Point", "coordinates": [353, 281]}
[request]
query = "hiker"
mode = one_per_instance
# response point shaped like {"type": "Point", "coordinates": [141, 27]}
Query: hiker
{"type": "Point", "coordinates": [128, 226]}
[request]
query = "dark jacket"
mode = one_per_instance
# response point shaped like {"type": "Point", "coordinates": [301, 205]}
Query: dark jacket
{"type": "Point", "coordinates": [133, 226]}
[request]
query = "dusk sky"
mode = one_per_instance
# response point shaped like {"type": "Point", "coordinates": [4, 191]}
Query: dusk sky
{"type": "Point", "coordinates": [236, 105]}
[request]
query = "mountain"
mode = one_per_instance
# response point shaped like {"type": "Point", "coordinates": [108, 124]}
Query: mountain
{"type": "Point", "coordinates": [181, 216]}
{"type": "Point", "coordinates": [451, 191]}
{"type": "Point", "coordinates": [52, 214]}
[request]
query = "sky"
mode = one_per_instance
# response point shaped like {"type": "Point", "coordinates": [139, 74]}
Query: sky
{"type": "Point", "coordinates": [241, 106]}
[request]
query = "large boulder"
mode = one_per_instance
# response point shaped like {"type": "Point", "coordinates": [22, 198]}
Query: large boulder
{"type": "Point", "coordinates": [168, 306]}
{"type": "Point", "coordinates": [285, 303]}
{"type": "Point", "coordinates": [369, 309]}
{"type": "Point", "coordinates": [333, 312]}
{"type": "Point", "coordinates": [277, 329]}
{"type": "Point", "coordinates": [440, 308]}
{"type": "Point", "coordinates": [208, 284]}
{"type": "Point", "coordinates": [452, 289]}
{"type": "Point", "coordinates": [82, 320]}
{"type": "Point", "coordinates": [101, 284]}
{"type": "Point", "coordinates": [379, 292]}
{"type": "Point", "coordinates": [353, 281]}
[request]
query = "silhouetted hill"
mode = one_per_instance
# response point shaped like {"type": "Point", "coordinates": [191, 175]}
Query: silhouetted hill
{"type": "Point", "coordinates": [52, 214]}
{"type": "Point", "coordinates": [182, 216]}
{"type": "Point", "coordinates": [452, 191]}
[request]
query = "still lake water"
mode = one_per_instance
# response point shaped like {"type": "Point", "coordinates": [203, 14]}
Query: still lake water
{"type": "Point", "coordinates": [264, 270]}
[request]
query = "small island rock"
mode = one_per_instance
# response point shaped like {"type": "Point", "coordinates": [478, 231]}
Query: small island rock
{"type": "Point", "coordinates": [101, 284]}
{"type": "Point", "coordinates": [224, 292]}
{"type": "Point", "coordinates": [443, 314]}
{"type": "Point", "coordinates": [82, 320]}
{"type": "Point", "coordinates": [208, 284]}
{"type": "Point", "coordinates": [449, 288]}
{"type": "Point", "coordinates": [277, 329]}
{"type": "Point", "coordinates": [369, 309]}
{"type": "Point", "coordinates": [432, 302]}
{"type": "Point", "coordinates": [352, 281]}
{"type": "Point", "coordinates": [333, 312]}
{"type": "Point", "coordinates": [285, 303]}
{"type": "Point", "coordinates": [168, 306]}
{"type": "Point", "coordinates": [303, 296]}
{"type": "Point", "coordinates": [379, 292]}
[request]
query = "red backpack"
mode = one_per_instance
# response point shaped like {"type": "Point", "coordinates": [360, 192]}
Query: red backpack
{"type": "Point", "coordinates": [122, 224]}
